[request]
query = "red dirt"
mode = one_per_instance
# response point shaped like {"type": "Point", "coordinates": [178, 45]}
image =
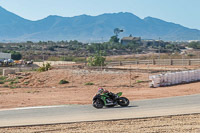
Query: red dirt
{"type": "Point", "coordinates": [37, 89]}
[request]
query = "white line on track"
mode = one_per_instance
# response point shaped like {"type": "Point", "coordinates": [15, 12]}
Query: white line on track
{"type": "Point", "coordinates": [36, 107]}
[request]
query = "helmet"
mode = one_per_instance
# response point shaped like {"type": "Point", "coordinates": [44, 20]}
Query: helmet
{"type": "Point", "coordinates": [100, 90]}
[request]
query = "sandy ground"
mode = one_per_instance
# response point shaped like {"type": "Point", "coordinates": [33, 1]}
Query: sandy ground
{"type": "Point", "coordinates": [168, 124]}
{"type": "Point", "coordinates": [43, 88]}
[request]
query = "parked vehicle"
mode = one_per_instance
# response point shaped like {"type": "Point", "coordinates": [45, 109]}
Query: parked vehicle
{"type": "Point", "coordinates": [6, 62]}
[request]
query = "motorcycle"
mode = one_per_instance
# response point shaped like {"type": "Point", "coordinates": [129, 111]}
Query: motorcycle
{"type": "Point", "coordinates": [102, 100]}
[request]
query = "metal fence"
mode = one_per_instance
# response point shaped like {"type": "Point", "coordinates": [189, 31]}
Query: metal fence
{"type": "Point", "coordinates": [168, 62]}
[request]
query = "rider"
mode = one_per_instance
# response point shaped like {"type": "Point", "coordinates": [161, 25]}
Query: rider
{"type": "Point", "coordinates": [107, 94]}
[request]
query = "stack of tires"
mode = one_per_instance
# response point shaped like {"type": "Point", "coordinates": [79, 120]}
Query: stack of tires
{"type": "Point", "coordinates": [174, 78]}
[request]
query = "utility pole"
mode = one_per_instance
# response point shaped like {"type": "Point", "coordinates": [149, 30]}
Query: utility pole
{"type": "Point", "coordinates": [43, 53]}
{"type": "Point", "coordinates": [159, 50]}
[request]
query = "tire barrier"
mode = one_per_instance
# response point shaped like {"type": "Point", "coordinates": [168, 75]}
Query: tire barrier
{"type": "Point", "coordinates": [174, 78]}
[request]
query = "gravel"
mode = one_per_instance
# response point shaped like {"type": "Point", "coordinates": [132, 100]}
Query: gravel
{"type": "Point", "coordinates": [168, 124]}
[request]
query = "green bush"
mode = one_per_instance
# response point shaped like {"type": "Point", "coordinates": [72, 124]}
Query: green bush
{"type": "Point", "coordinates": [2, 82]}
{"type": "Point", "coordinates": [89, 83]}
{"type": "Point", "coordinates": [26, 83]}
{"type": "Point", "coordinates": [63, 82]}
{"type": "Point", "coordinates": [15, 82]}
{"type": "Point", "coordinates": [10, 80]}
{"type": "Point", "coordinates": [3, 78]}
{"type": "Point", "coordinates": [19, 77]}
{"type": "Point", "coordinates": [41, 69]}
{"type": "Point", "coordinates": [13, 87]}
{"type": "Point", "coordinates": [44, 68]}
{"type": "Point", "coordinates": [11, 83]}
{"type": "Point", "coordinates": [96, 60]}
{"type": "Point", "coordinates": [139, 81]}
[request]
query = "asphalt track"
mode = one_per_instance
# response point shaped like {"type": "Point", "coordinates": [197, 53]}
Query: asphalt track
{"type": "Point", "coordinates": [78, 113]}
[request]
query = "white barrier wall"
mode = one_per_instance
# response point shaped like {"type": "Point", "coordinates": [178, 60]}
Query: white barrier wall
{"type": "Point", "coordinates": [174, 78]}
{"type": "Point", "coordinates": [54, 63]}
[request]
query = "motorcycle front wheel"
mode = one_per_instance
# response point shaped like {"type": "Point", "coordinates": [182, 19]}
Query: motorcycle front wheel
{"type": "Point", "coordinates": [98, 103]}
{"type": "Point", "coordinates": [123, 101]}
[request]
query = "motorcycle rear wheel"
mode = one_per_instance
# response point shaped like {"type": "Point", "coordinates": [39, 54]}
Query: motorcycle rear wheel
{"type": "Point", "coordinates": [123, 102]}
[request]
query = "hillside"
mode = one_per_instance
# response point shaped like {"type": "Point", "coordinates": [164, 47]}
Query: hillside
{"type": "Point", "coordinates": [90, 28]}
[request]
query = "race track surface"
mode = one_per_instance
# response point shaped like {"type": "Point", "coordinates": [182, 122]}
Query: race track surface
{"type": "Point", "coordinates": [78, 113]}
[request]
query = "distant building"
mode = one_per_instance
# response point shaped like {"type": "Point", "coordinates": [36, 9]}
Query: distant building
{"type": "Point", "coordinates": [5, 55]}
{"type": "Point", "coordinates": [127, 40]}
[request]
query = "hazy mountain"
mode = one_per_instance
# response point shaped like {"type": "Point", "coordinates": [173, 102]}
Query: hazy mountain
{"type": "Point", "coordinates": [90, 28]}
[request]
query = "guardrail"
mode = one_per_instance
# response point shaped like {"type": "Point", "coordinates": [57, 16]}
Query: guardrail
{"type": "Point", "coordinates": [168, 62]}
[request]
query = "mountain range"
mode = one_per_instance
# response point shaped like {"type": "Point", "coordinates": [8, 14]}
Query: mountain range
{"type": "Point", "coordinates": [90, 28]}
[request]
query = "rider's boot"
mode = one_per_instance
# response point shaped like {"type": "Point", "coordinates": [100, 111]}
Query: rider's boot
{"type": "Point", "coordinates": [109, 101]}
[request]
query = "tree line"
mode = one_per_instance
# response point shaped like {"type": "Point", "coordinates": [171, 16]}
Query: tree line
{"type": "Point", "coordinates": [75, 50]}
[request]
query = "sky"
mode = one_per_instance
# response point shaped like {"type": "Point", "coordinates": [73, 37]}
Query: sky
{"type": "Point", "coordinates": [184, 12]}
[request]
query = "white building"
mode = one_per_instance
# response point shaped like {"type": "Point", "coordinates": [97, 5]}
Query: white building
{"type": "Point", "coordinates": [5, 55]}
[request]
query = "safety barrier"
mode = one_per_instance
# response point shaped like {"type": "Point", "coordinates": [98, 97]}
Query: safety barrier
{"type": "Point", "coordinates": [174, 78]}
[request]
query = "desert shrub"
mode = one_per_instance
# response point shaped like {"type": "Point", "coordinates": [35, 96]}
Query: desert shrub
{"type": "Point", "coordinates": [10, 80]}
{"type": "Point", "coordinates": [11, 83]}
{"type": "Point", "coordinates": [89, 83]}
{"type": "Point", "coordinates": [26, 83]}
{"type": "Point", "coordinates": [6, 86]}
{"type": "Point", "coordinates": [41, 69]}
{"type": "Point", "coordinates": [2, 82]}
{"type": "Point", "coordinates": [139, 81]}
{"type": "Point", "coordinates": [15, 82]}
{"type": "Point", "coordinates": [13, 87]}
{"type": "Point", "coordinates": [96, 60]}
{"type": "Point", "coordinates": [44, 68]}
{"type": "Point", "coordinates": [3, 78]}
{"type": "Point", "coordinates": [63, 82]}
{"type": "Point", "coordinates": [191, 55]}
{"type": "Point", "coordinates": [19, 77]}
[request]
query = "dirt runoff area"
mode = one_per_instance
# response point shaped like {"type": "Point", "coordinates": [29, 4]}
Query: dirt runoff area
{"type": "Point", "coordinates": [27, 89]}
{"type": "Point", "coordinates": [167, 124]}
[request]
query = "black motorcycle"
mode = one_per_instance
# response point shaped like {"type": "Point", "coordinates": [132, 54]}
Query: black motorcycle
{"type": "Point", "coordinates": [109, 100]}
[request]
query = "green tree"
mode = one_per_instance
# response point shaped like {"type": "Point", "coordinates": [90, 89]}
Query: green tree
{"type": "Point", "coordinates": [51, 48]}
{"type": "Point", "coordinates": [96, 60]}
{"type": "Point", "coordinates": [133, 46]}
{"type": "Point", "coordinates": [114, 39]}
{"type": "Point", "coordinates": [194, 45]}
{"type": "Point", "coordinates": [16, 55]}
{"type": "Point", "coordinates": [172, 47]}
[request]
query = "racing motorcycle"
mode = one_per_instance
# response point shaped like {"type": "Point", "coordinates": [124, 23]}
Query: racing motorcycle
{"type": "Point", "coordinates": [109, 100]}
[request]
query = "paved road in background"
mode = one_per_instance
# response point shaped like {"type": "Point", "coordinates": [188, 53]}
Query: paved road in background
{"type": "Point", "coordinates": [79, 113]}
